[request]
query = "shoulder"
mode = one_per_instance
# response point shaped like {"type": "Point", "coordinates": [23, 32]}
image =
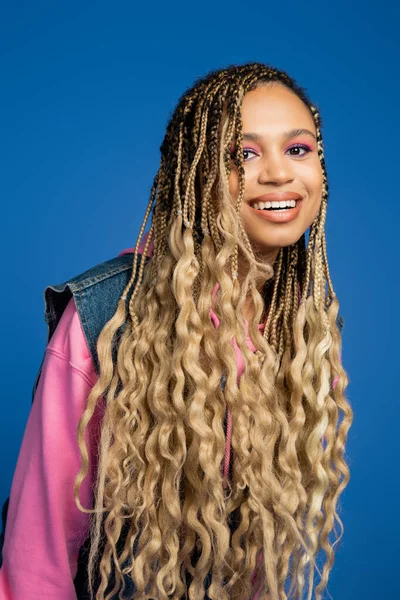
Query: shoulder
{"type": "Point", "coordinates": [102, 271]}
{"type": "Point", "coordinates": [69, 342]}
{"type": "Point", "coordinates": [91, 297]}
{"type": "Point", "coordinates": [117, 268]}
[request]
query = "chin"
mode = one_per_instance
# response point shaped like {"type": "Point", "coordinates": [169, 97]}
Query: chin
{"type": "Point", "coordinates": [276, 240]}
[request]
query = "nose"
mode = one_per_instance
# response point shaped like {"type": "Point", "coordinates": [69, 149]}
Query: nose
{"type": "Point", "coordinates": [275, 169]}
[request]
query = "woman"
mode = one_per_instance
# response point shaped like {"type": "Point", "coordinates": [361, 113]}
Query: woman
{"type": "Point", "coordinates": [228, 292]}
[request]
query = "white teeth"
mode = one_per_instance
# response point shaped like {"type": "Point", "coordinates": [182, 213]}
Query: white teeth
{"type": "Point", "coordinates": [282, 204]}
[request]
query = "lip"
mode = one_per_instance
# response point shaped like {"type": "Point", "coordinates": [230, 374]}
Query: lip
{"type": "Point", "coordinates": [284, 216]}
{"type": "Point", "coordinates": [277, 197]}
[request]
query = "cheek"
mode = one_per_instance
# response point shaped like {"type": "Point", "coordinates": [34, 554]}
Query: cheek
{"type": "Point", "coordinates": [314, 210]}
{"type": "Point", "coordinates": [234, 183]}
{"type": "Point", "coordinates": [313, 181]}
{"type": "Point", "coordinates": [315, 177]}
{"type": "Point", "coordinates": [310, 174]}
{"type": "Point", "coordinates": [250, 180]}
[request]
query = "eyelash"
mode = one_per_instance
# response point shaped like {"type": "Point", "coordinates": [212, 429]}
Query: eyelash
{"type": "Point", "coordinates": [291, 148]}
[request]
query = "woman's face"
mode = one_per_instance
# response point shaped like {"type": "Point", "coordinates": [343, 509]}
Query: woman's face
{"type": "Point", "coordinates": [277, 162]}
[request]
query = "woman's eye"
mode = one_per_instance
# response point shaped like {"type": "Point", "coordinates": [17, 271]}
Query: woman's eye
{"type": "Point", "coordinates": [246, 151]}
{"type": "Point", "coordinates": [297, 148]}
{"type": "Point", "coordinates": [300, 147]}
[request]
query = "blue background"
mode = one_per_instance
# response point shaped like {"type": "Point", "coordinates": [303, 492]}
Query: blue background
{"type": "Point", "coordinates": [86, 92]}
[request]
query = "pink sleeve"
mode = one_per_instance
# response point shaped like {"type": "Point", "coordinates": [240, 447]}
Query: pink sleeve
{"type": "Point", "coordinates": [45, 529]}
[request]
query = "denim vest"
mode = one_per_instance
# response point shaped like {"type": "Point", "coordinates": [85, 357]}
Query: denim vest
{"type": "Point", "coordinates": [96, 293]}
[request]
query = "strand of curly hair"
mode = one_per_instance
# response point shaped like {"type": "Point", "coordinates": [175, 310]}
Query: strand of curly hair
{"type": "Point", "coordinates": [162, 440]}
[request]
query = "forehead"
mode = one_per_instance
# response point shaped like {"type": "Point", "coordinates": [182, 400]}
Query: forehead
{"type": "Point", "coordinates": [272, 109]}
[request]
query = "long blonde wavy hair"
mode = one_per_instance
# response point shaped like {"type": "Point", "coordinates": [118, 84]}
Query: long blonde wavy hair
{"type": "Point", "coordinates": [161, 360]}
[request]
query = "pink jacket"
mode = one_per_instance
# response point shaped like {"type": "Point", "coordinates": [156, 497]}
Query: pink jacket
{"type": "Point", "coordinates": [45, 529]}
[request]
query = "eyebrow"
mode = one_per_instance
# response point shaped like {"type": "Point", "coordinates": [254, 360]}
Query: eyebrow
{"type": "Point", "coordinates": [291, 133]}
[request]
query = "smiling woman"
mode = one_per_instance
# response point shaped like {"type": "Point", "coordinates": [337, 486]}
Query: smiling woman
{"type": "Point", "coordinates": [217, 375]}
{"type": "Point", "coordinates": [281, 164]}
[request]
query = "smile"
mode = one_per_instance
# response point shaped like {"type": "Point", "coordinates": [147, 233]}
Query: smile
{"type": "Point", "coordinates": [283, 215]}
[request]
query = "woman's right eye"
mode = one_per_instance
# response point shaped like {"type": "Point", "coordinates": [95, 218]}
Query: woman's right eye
{"type": "Point", "coordinates": [248, 150]}
{"type": "Point", "coordinates": [245, 151]}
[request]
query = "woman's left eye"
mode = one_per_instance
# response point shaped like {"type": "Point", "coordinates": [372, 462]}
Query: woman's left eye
{"type": "Point", "coordinates": [298, 147]}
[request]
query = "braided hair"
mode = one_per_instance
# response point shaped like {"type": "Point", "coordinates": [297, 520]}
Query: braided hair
{"type": "Point", "coordinates": [162, 439]}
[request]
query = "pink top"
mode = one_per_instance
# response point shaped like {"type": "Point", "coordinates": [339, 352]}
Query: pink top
{"type": "Point", "coordinates": [45, 529]}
